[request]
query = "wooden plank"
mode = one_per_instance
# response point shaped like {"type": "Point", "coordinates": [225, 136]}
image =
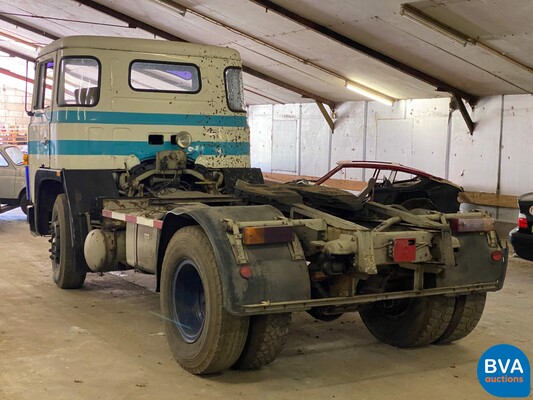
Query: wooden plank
{"type": "Point", "coordinates": [489, 199]}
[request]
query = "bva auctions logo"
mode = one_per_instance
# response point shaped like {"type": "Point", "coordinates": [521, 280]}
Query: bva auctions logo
{"type": "Point", "coordinates": [504, 371]}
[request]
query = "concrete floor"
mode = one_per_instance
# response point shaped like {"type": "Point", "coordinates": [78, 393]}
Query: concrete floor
{"type": "Point", "coordinates": [106, 342]}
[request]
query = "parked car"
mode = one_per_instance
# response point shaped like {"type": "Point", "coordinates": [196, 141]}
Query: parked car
{"type": "Point", "coordinates": [405, 186]}
{"type": "Point", "coordinates": [521, 237]}
{"type": "Point", "coordinates": [12, 178]}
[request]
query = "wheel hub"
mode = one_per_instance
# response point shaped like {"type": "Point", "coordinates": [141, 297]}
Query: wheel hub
{"type": "Point", "coordinates": [189, 301]}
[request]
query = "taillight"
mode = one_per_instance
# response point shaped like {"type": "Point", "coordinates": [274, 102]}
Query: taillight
{"type": "Point", "coordinates": [522, 221]}
{"type": "Point", "coordinates": [267, 234]}
{"type": "Point", "coordinates": [245, 271]}
{"type": "Point", "coordinates": [496, 255]}
{"type": "Point", "coordinates": [459, 225]}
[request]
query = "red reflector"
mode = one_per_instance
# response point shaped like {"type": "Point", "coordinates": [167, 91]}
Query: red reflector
{"type": "Point", "coordinates": [522, 223]}
{"type": "Point", "coordinates": [459, 225]}
{"type": "Point", "coordinates": [246, 272]}
{"type": "Point", "coordinates": [404, 250]}
{"type": "Point", "coordinates": [496, 255]}
{"type": "Point", "coordinates": [267, 234]}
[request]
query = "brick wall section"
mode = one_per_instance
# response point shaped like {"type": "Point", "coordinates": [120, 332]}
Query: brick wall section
{"type": "Point", "coordinates": [13, 118]}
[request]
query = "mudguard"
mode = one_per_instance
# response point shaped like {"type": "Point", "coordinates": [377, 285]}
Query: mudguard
{"type": "Point", "coordinates": [474, 263]}
{"type": "Point", "coordinates": [276, 277]}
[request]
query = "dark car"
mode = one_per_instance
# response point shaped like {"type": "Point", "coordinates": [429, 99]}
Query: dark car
{"type": "Point", "coordinates": [404, 186]}
{"type": "Point", "coordinates": [521, 237]}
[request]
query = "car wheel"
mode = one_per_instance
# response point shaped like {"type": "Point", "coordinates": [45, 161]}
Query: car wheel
{"type": "Point", "coordinates": [23, 203]}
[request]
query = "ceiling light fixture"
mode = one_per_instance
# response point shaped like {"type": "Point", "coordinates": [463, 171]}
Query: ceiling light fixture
{"type": "Point", "coordinates": [18, 41]}
{"type": "Point", "coordinates": [169, 4]}
{"type": "Point", "coordinates": [370, 93]}
{"type": "Point", "coordinates": [425, 20]}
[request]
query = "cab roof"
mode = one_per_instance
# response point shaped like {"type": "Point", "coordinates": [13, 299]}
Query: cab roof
{"type": "Point", "coordinates": [139, 45]}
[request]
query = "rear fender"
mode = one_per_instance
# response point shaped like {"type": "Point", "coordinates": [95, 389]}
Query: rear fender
{"type": "Point", "coordinates": [276, 277]}
{"type": "Point", "coordinates": [474, 263]}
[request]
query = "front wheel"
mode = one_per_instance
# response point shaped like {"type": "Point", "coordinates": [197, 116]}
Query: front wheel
{"type": "Point", "coordinates": [203, 336]}
{"type": "Point", "coordinates": [66, 272]}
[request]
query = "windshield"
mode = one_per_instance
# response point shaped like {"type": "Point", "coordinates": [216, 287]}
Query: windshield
{"type": "Point", "coordinates": [15, 154]}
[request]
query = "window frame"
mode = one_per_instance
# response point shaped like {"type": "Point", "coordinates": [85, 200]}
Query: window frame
{"type": "Point", "coordinates": [60, 72]}
{"type": "Point", "coordinates": [10, 156]}
{"type": "Point", "coordinates": [40, 95]}
{"type": "Point", "coordinates": [4, 158]}
{"type": "Point", "coordinates": [165, 63]}
{"type": "Point", "coordinates": [227, 92]}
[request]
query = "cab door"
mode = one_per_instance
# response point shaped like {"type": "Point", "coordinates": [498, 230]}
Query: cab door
{"type": "Point", "coordinates": [42, 112]}
{"type": "Point", "coordinates": [7, 178]}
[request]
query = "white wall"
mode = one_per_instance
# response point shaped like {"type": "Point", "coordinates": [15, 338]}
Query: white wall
{"type": "Point", "coordinates": [421, 133]}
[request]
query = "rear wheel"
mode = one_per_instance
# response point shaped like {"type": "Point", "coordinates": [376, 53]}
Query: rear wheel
{"type": "Point", "coordinates": [409, 322]}
{"type": "Point", "coordinates": [66, 272]}
{"type": "Point", "coordinates": [203, 336]}
{"type": "Point", "coordinates": [466, 315]}
{"type": "Point", "coordinates": [266, 337]}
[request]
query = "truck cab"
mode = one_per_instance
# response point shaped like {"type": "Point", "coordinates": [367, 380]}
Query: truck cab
{"type": "Point", "coordinates": [110, 104]}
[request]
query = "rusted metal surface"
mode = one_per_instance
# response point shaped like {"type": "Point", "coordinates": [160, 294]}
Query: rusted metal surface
{"type": "Point", "coordinates": [268, 307]}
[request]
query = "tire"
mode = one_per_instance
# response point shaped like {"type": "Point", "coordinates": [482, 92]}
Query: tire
{"type": "Point", "coordinates": [203, 336]}
{"type": "Point", "coordinates": [23, 203]}
{"type": "Point", "coordinates": [410, 322]}
{"type": "Point", "coordinates": [424, 203]}
{"type": "Point", "coordinates": [466, 315]}
{"type": "Point", "coordinates": [318, 313]}
{"type": "Point", "coordinates": [66, 272]}
{"type": "Point", "coordinates": [266, 337]}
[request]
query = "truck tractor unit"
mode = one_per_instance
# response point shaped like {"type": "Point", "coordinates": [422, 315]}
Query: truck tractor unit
{"type": "Point", "coordinates": [139, 158]}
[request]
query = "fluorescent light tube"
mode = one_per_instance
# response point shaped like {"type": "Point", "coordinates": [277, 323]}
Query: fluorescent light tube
{"type": "Point", "coordinates": [425, 20]}
{"type": "Point", "coordinates": [371, 94]}
{"type": "Point", "coordinates": [172, 6]}
{"type": "Point", "coordinates": [18, 42]}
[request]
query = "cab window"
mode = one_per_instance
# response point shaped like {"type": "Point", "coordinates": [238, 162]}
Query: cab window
{"type": "Point", "coordinates": [79, 82]}
{"type": "Point", "coordinates": [45, 84]}
{"type": "Point", "coordinates": [156, 76]}
{"type": "Point", "coordinates": [3, 161]}
{"type": "Point", "coordinates": [234, 89]}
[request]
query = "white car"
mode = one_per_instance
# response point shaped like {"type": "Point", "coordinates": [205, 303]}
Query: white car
{"type": "Point", "coordinates": [12, 177]}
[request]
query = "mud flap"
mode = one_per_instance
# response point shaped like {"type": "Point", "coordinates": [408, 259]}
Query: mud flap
{"type": "Point", "coordinates": [474, 263]}
{"type": "Point", "coordinates": [277, 276]}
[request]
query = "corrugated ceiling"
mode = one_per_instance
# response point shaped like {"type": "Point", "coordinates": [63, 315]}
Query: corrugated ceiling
{"type": "Point", "coordinates": [299, 56]}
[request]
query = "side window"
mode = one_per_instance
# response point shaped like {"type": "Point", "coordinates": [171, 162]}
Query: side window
{"type": "Point", "coordinates": [79, 82]}
{"type": "Point", "coordinates": [158, 76]}
{"type": "Point", "coordinates": [234, 89]}
{"type": "Point", "coordinates": [3, 161]}
{"type": "Point", "coordinates": [45, 84]}
{"type": "Point", "coordinates": [16, 155]}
